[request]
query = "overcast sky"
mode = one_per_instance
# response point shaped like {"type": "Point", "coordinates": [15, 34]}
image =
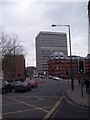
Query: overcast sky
{"type": "Point", "coordinates": [26, 18]}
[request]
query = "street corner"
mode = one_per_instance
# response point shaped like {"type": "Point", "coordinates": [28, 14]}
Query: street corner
{"type": "Point", "coordinates": [67, 98]}
{"type": "Point", "coordinates": [74, 97]}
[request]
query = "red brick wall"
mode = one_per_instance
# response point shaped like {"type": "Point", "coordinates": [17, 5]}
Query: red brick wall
{"type": "Point", "coordinates": [8, 63]}
{"type": "Point", "coordinates": [61, 67]}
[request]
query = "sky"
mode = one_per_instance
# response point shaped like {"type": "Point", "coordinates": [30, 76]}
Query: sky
{"type": "Point", "coordinates": [26, 18]}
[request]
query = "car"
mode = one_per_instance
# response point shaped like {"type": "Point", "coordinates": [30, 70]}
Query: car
{"type": "Point", "coordinates": [56, 78]}
{"type": "Point", "coordinates": [6, 87]}
{"type": "Point", "coordinates": [50, 77]}
{"type": "Point", "coordinates": [12, 83]}
{"type": "Point", "coordinates": [42, 76]}
{"type": "Point", "coordinates": [0, 86]}
{"type": "Point", "coordinates": [22, 86]}
{"type": "Point", "coordinates": [32, 83]}
{"type": "Point", "coordinates": [35, 76]}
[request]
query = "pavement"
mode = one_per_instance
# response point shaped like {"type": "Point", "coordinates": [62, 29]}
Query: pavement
{"type": "Point", "coordinates": [75, 95]}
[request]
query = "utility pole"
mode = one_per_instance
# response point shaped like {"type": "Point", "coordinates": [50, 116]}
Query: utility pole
{"type": "Point", "coordinates": [72, 80]}
{"type": "Point", "coordinates": [70, 59]}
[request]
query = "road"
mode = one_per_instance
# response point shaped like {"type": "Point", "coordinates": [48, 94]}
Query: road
{"type": "Point", "coordinates": [46, 101]}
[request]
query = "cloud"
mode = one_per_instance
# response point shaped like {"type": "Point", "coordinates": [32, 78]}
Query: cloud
{"type": "Point", "coordinates": [27, 19]}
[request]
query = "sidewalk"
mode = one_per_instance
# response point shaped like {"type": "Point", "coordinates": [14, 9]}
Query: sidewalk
{"type": "Point", "coordinates": [75, 95]}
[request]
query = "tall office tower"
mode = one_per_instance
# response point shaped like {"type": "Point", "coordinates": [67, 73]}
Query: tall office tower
{"type": "Point", "coordinates": [89, 27]}
{"type": "Point", "coordinates": [46, 43]}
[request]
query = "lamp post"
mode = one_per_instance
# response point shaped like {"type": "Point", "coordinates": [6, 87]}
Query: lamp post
{"type": "Point", "coordinates": [53, 25]}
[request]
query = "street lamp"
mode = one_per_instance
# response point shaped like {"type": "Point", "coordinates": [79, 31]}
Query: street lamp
{"type": "Point", "coordinates": [53, 25]}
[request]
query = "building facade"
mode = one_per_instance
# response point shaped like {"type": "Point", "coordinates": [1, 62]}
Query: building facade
{"type": "Point", "coordinates": [46, 43]}
{"type": "Point", "coordinates": [13, 67]}
{"type": "Point", "coordinates": [30, 71]}
{"type": "Point", "coordinates": [59, 65]}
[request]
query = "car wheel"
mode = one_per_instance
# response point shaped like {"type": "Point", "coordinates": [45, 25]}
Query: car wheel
{"type": "Point", "coordinates": [11, 90]}
{"type": "Point", "coordinates": [30, 89]}
{"type": "Point", "coordinates": [3, 91]}
{"type": "Point", "coordinates": [15, 90]}
{"type": "Point", "coordinates": [26, 90]}
{"type": "Point", "coordinates": [32, 86]}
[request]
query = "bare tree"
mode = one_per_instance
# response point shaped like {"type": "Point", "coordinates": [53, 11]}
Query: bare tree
{"type": "Point", "coordinates": [11, 48]}
{"type": "Point", "coordinates": [10, 45]}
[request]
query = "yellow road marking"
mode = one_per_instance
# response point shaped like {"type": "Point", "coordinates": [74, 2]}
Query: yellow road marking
{"type": "Point", "coordinates": [23, 110]}
{"type": "Point", "coordinates": [17, 111]}
{"type": "Point", "coordinates": [28, 104]}
{"type": "Point", "coordinates": [53, 109]}
{"type": "Point", "coordinates": [0, 117]}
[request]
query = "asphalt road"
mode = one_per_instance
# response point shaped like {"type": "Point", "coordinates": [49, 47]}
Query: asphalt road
{"type": "Point", "coordinates": [43, 102]}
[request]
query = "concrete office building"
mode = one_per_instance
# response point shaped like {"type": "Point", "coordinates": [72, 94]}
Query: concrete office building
{"type": "Point", "coordinates": [89, 27]}
{"type": "Point", "coordinates": [46, 43]}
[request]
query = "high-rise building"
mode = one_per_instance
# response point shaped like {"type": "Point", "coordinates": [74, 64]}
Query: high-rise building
{"type": "Point", "coordinates": [46, 43]}
{"type": "Point", "coordinates": [89, 27]}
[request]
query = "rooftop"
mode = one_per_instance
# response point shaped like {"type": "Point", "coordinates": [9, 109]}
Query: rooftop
{"type": "Point", "coordinates": [51, 33]}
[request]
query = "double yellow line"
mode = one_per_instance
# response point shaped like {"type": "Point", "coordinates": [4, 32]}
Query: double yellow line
{"type": "Point", "coordinates": [48, 113]}
{"type": "Point", "coordinates": [53, 109]}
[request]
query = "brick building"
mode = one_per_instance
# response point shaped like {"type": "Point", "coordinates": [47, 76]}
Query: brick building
{"type": "Point", "coordinates": [30, 71]}
{"type": "Point", "coordinates": [59, 65]}
{"type": "Point", "coordinates": [13, 67]}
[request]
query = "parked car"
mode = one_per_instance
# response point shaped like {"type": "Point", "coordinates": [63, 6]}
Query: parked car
{"type": "Point", "coordinates": [6, 87]}
{"type": "Point", "coordinates": [56, 78]}
{"type": "Point", "coordinates": [50, 77]}
{"type": "Point", "coordinates": [42, 76]}
{"type": "Point", "coordinates": [22, 86]}
{"type": "Point", "coordinates": [12, 83]}
{"type": "Point", "coordinates": [0, 86]}
{"type": "Point", "coordinates": [35, 76]}
{"type": "Point", "coordinates": [33, 83]}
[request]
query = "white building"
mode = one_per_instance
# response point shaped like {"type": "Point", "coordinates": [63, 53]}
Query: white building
{"type": "Point", "coordinates": [46, 43]}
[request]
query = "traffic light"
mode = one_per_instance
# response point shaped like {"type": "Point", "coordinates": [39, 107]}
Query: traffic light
{"type": "Point", "coordinates": [80, 66]}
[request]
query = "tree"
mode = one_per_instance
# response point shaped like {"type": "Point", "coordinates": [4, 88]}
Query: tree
{"type": "Point", "coordinates": [10, 49]}
{"type": "Point", "coordinates": [10, 45]}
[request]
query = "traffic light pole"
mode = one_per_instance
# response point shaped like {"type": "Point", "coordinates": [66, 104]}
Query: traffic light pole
{"type": "Point", "coordinates": [81, 70]}
{"type": "Point", "coordinates": [82, 84]}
